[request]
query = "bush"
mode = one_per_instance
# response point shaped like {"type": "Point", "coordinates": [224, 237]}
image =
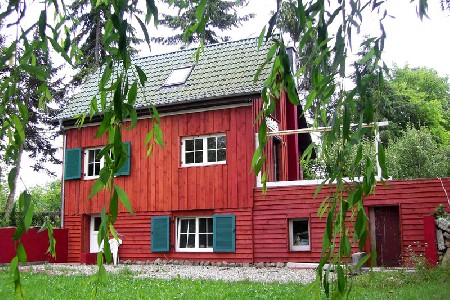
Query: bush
{"type": "Point", "coordinates": [418, 155]}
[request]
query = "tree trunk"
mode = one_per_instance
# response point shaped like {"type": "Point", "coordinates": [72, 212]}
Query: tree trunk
{"type": "Point", "coordinates": [12, 192]}
{"type": "Point", "coordinates": [97, 43]}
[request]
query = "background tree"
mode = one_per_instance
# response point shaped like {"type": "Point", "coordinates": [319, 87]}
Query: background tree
{"type": "Point", "coordinates": [417, 154]}
{"type": "Point", "coordinates": [90, 22]}
{"type": "Point", "coordinates": [39, 132]}
{"type": "Point", "coordinates": [219, 15]}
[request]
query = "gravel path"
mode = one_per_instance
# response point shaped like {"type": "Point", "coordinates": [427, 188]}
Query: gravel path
{"type": "Point", "coordinates": [266, 274]}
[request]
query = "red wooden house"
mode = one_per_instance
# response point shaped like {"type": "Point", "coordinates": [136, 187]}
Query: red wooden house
{"type": "Point", "coordinates": [196, 198]}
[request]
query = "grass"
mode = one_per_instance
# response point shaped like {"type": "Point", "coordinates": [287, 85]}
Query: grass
{"type": "Point", "coordinates": [423, 284]}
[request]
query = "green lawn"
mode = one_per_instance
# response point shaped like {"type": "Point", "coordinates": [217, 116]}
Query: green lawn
{"type": "Point", "coordinates": [425, 284]}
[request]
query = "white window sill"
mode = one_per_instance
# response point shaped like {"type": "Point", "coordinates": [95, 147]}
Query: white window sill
{"type": "Point", "coordinates": [203, 164]}
{"type": "Point", "coordinates": [194, 249]}
{"type": "Point", "coordinates": [301, 248]}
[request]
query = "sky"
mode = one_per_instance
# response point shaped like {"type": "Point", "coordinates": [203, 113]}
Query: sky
{"type": "Point", "coordinates": [409, 42]}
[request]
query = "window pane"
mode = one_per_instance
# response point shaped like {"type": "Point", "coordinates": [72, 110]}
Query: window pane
{"type": "Point", "coordinates": [202, 243]}
{"type": "Point", "coordinates": [198, 157]}
{"type": "Point", "coordinates": [184, 226]}
{"type": "Point", "coordinates": [90, 171]}
{"type": "Point", "coordinates": [221, 142]}
{"type": "Point", "coordinates": [221, 155]}
{"type": "Point", "coordinates": [211, 143]}
{"type": "Point", "coordinates": [212, 156]}
{"type": "Point", "coordinates": [189, 144]}
{"type": "Point", "coordinates": [97, 169]}
{"type": "Point", "coordinates": [300, 232]}
{"type": "Point", "coordinates": [183, 240]}
{"type": "Point", "coordinates": [198, 144]}
{"type": "Point", "coordinates": [91, 156]}
{"type": "Point", "coordinates": [97, 222]}
{"type": "Point", "coordinates": [189, 158]}
{"type": "Point", "coordinates": [202, 225]}
{"type": "Point", "coordinates": [192, 225]}
{"type": "Point", "coordinates": [210, 240]}
{"type": "Point", "coordinates": [210, 225]}
{"type": "Point", "coordinates": [191, 241]}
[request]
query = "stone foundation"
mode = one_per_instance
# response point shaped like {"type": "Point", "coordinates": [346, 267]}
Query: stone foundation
{"type": "Point", "coordinates": [443, 240]}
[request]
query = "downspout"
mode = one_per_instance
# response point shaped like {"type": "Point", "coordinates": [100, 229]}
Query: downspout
{"type": "Point", "coordinates": [61, 129]}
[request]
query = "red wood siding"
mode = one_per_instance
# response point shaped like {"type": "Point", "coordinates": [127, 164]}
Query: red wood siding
{"type": "Point", "coordinates": [159, 183]}
{"type": "Point", "coordinates": [415, 198]}
{"type": "Point", "coordinates": [135, 233]}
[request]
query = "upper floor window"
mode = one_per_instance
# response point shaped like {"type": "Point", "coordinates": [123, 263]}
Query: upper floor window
{"type": "Point", "coordinates": [92, 163]}
{"type": "Point", "coordinates": [204, 150]}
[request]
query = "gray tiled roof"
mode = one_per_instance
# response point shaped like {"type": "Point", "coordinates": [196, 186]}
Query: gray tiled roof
{"type": "Point", "coordinates": [224, 70]}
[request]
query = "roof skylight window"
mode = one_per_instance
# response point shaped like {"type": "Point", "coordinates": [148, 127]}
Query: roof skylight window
{"type": "Point", "coordinates": [178, 76]}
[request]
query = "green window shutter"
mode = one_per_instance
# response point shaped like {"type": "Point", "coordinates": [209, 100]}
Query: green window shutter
{"type": "Point", "coordinates": [160, 234]}
{"type": "Point", "coordinates": [224, 239]}
{"type": "Point", "coordinates": [125, 170]}
{"type": "Point", "coordinates": [72, 164]}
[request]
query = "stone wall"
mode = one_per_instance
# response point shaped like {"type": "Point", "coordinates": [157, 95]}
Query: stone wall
{"type": "Point", "coordinates": [443, 240]}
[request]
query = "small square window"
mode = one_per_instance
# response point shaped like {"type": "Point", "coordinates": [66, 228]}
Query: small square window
{"type": "Point", "coordinates": [204, 150]}
{"type": "Point", "coordinates": [299, 235]}
{"type": "Point", "coordinates": [92, 163]}
{"type": "Point", "coordinates": [178, 76]}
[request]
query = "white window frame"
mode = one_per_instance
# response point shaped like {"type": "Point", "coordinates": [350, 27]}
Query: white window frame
{"type": "Point", "coordinates": [205, 150]}
{"type": "Point", "coordinates": [293, 247]}
{"type": "Point", "coordinates": [86, 161]}
{"type": "Point", "coordinates": [197, 226]}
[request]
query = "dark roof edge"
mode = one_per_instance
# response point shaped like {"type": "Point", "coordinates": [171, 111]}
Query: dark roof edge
{"type": "Point", "coordinates": [174, 107]}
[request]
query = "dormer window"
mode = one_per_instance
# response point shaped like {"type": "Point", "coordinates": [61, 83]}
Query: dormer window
{"type": "Point", "coordinates": [178, 76]}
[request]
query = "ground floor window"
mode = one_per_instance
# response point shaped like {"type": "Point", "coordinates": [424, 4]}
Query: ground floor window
{"type": "Point", "coordinates": [299, 237]}
{"type": "Point", "coordinates": [194, 234]}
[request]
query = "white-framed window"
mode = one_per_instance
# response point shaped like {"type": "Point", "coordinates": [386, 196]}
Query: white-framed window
{"type": "Point", "coordinates": [92, 163]}
{"type": "Point", "coordinates": [178, 76]}
{"type": "Point", "coordinates": [194, 234]}
{"type": "Point", "coordinates": [299, 235]}
{"type": "Point", "coordinates": [204, 150]}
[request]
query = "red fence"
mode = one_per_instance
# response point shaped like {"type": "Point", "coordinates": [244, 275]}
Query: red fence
{"type": "Point", "coordinates": [36, 245]}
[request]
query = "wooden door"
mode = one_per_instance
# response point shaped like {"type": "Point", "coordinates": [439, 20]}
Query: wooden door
{"type": "Point", "coordinates": [387, 235]}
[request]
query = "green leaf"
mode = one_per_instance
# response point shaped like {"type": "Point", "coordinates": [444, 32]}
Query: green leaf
{"type": "Point", "coordinates": [144, 30]}
{"type": "Point", "coordinates": [261, 37]}
{"type": "Point", "coordinates": [28, 216]}
{"type": "Point", "coordinates": [141, 74]}
{"type": "Point", "coordinates": [200, 11]}
{"type": "Point", "coordinates": [155, 113]}
{"type": "Point", "coordinates": [13, 265]}
{"type": "Point", "coordinates": [100, 183]}
{"type": "Point", "coordinates": [11, 177]}
{"type": "Point", "coordinates": [21, 253]}
{"type": "Point", "coordinates": [19, 127]}
{"type": "Point", "coordinates": [124, 198]}
{"type": "Point", "coordinates": [152, 10]}
{"type": "Point", "coordinates": [42, 23]}
{"type": "Point", "coordinates": [382, 160]}
{"type": "Point", "coordinates": [132, 93]}
{"type": "Point", "coordinates": [36, 71]}
{"type": "Point", "coordinates": [19, 231]}
{"type": "Point", "coordinates": [105, 125]}
{"type": "Point", "coordinates": [158, 134]}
